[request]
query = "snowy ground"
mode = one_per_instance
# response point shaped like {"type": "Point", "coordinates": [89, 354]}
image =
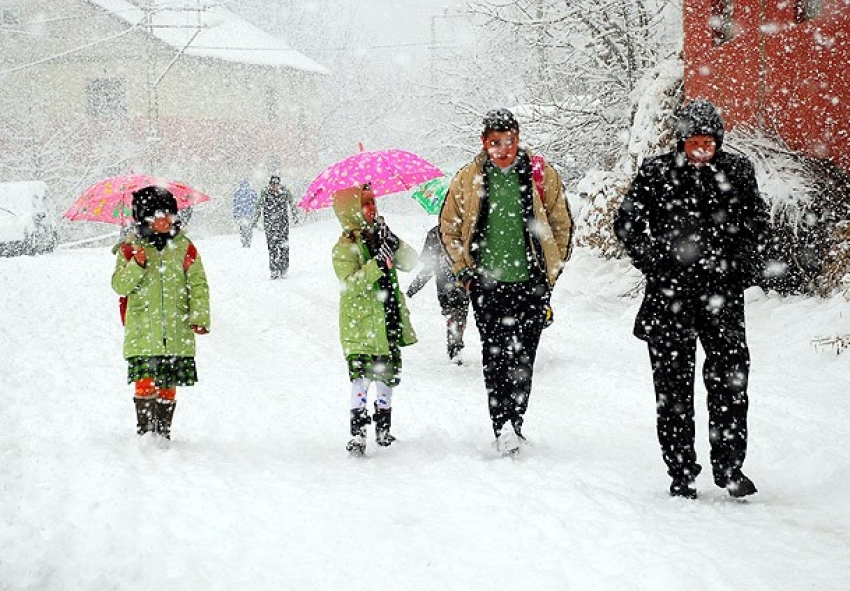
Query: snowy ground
{"type": "Point", "coordinates": [256, 490]}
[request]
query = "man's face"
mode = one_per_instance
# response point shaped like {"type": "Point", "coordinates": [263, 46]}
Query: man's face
{"type": "Point", "coordinates": [501, 146]}
{"type": "Point", "coordinates": [700, 149]}
{"type": "Point", "coordinates": [370, 210]}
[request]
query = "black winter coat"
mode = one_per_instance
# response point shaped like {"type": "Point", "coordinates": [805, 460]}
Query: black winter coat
{"type": "Point", "coordinates": [693, 232]}
{"type": "Point", "coordinates": [436, 263]}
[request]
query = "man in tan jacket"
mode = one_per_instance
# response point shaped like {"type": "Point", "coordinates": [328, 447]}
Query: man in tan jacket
{"type": "Point", "coordinates": [507, 229]}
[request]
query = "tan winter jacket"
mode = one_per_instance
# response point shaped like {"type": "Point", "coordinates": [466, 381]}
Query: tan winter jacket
{"type": "Point", "coordinates": [553, 228]}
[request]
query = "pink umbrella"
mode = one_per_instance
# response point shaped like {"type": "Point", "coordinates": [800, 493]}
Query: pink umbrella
{"type": "Point", "coordinates": [111, 200]}
{"type": "Point", "coordinates": [388, 171]}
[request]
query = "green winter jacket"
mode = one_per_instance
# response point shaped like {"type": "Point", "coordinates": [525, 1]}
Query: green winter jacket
{"type": "Point", "coordinates": [163, 300]}
{"type": "Point", "coordinates": [362, 318]}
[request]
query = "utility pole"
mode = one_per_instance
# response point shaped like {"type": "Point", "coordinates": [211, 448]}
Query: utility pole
{"type": "Point", "coordinates": [154, 76]}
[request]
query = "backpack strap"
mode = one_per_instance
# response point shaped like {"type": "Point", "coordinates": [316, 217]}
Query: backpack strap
{"type": "Point", "coordinates": [538, 165]}
{"type": "Point", "coordinates": [127, 250]}
{"type": "Point", "coordinates": [190, 256]}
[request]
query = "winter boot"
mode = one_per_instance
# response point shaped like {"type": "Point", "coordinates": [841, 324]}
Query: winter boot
{"type": "Point", "coordinates": [164, 415]}
{"type": "Point", "coordinates": [736, 483]}
{"type": "Point", "coordinates": [507, 442]}
{"type": "Point", "coordinates": [683, 485]}
{"type": "Point", "coordinates": [359, 420]}
{"type": "Point", "coordinates": [145, 410]}
{"type": "Point", "coordinates": [383, 420]}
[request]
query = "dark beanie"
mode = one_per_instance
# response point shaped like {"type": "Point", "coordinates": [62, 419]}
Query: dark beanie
{"type": "Point", "coordinates": [499, 120]}
{"type": "Point", "coordinates": [699, 117]}
{"type": "Point", "coordinates": [148, 200]}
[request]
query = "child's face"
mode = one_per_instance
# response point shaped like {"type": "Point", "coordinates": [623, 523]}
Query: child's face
{"type": "Point", "coordinates": [370, 210]}
{"type": "Point", "coordinates": [162, 222]}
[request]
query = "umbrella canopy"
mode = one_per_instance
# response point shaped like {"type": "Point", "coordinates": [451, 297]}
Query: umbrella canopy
{"type": "Point", "coordinates": [388, 171]}
{"type": "Point", "coordinates": [431, 194]}
{"type": "Point", "coordinates": [111, 200]}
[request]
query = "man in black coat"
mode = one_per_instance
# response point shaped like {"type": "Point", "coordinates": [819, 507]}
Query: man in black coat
{"type": "Point", "coordinates": [694, 223]}
{"type": "Point", "coordinates": [276, 204]}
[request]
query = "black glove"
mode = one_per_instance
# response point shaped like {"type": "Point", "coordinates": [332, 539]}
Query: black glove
{"type": "Point", "coordinates": [464, 278]}
{"type": "Point", "coordinates": [386, 236]}
{"type": "Point", "coordinates": [386, 252]}
{"type": "Point", "coordinates": [383, 263]}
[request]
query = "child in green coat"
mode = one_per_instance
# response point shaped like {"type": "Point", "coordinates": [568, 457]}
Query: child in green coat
{"type": "Point", "coordinates": [374, 322]}
{"type": "Point", "coordinates": [159, 272]}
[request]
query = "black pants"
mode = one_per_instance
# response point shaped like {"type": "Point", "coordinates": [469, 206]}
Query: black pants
{"type": "Point", "coordinates": [277, 239]}
{"type": "Point", "coordinates": [725, 373]}
{"type": "Point", "coordinates": [510, 319]}
{"type": "Point", "coordinates": [455, 327]}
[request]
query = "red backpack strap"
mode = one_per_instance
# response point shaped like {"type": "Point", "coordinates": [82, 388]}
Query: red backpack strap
{"type": "Point", "coordinates": [189, 257]}
{"type": "Point", "coordinates": [127, 250]}
{"type": "Point", "coordinates": [538, 165]}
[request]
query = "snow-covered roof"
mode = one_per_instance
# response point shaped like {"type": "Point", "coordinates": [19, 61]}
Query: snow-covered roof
{"type": "Point", "coordinates": [223, 35]}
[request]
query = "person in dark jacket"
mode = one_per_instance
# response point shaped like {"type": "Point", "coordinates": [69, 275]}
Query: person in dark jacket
{"type": "Point", "coordinates": [276, 204]}
{"type": "Point", "coordinates": [454, 301]}
{"type": "Point", "coordinates": [694, 223]}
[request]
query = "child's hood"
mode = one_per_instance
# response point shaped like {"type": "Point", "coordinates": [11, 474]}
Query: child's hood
{"type": "Point", "coordinates": [348, 207]}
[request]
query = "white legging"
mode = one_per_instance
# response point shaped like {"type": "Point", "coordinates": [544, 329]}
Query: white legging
{"type": "Point", "coordinates": [360, 394]}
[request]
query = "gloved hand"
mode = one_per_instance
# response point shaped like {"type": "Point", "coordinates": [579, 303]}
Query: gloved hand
{"type": "Point", "coordinates": [140, 256]}
{"type": "Point", "coordinates": [410, 293]}
{"type": "Point", "coordinates": [386, 253]}
{"type": "Point", "coordinates": [465, 277]}
{"type": "Point", "coordinates": [382, 262]}
{"type": "Point", "coordinates": [385, 235]}
{"type": "Point", "coordinates": [199, 329]}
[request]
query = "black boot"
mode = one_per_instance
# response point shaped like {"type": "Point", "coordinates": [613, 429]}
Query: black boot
{"type": "Point", "coordinates": [144, 415]}
{"type": "Point", "coordinates": [164, 415]}
{"type": "Point", "coordinates": [359, 420]}
{"type": "Point", "coordinates": [383, 420]}
{"type": "Point", "coordinates": [736, 483]}
{"type": "Point", "coordinates": [683, 484]}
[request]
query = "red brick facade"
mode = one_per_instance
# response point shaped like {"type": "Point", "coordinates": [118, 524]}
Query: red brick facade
{"type": "Point", "coordinates": [779, 66]}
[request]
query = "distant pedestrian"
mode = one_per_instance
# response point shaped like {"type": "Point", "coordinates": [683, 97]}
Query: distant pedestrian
{"type": "Point", "coordinates": [508, 241]}
{"type": "Point", "coordinates": [373, 319]}
{"type": "Point", "coordinates": [453, 299]}
{"type": "Point", "coordinates": [159, 272]}
{"type": "Point", "coordinates": [276, 206]}
{"type": "Point", "coordinates": [244, 205]}
{"type": "Point", "coordinates": [694, 223]}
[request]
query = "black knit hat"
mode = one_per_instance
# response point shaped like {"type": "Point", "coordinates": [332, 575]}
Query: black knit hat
{"type": "Point", "coordinates": [499, 120]}
{"type": "Point", "coordinates": [699, 117]}
{"type": "Point", "coordinates": [149, 200]}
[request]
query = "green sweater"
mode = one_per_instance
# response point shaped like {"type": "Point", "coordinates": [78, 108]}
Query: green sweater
{"type": "Point", "coordinates": [503, 255]}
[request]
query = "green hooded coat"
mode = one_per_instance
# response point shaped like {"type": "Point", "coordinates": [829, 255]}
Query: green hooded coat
{"type": "Point", "coordinates": [163, 300]}
{"type": "Point", "coordinates": [362, 318]}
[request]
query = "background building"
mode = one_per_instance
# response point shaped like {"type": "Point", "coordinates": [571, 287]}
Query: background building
{"type": "Point", "coordinates": [777, 66]}
{"type": "Point", "coordinates": [184, 90]}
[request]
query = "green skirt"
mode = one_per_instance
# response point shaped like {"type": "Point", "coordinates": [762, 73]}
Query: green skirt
{"type": "Point", "coordinates": [378, 368]}
{"type": "Point", "coordinates": [167, 372]}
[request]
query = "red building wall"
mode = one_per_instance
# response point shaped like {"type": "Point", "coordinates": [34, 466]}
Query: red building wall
{"type": "Point", "coordinates": [785, 77]}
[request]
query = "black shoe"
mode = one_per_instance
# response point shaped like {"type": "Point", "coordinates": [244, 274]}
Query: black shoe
{"type": "Point", "coordinates": [738, 485]}
{"type": "Point", "coordinates": [357, 446]}
{"type": "Point", "coordinates": [683, 487]}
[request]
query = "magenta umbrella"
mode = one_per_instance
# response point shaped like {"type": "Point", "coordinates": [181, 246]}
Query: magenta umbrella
{"type": "Point", "coordinates": [111, 200]}
{"type": "Point", "coordinates": [388, 171]}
